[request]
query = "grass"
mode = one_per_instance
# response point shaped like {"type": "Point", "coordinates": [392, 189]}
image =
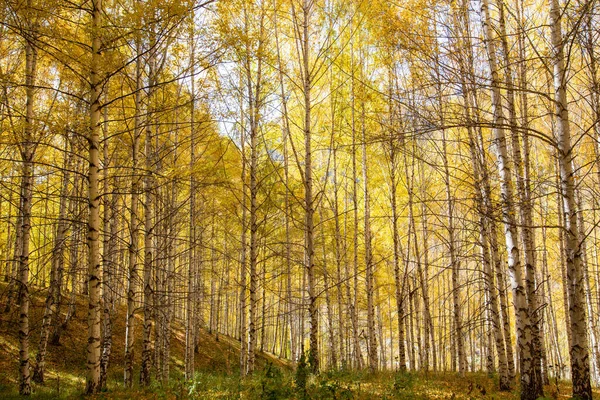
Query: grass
{"type": "Point", "coordinates": [217, 374]}
{"type": "Point", "coordinates": [273, 383]}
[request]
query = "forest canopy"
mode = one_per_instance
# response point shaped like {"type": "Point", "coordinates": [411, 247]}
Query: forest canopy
{"type": "Point", "coordinates": [340, 184]}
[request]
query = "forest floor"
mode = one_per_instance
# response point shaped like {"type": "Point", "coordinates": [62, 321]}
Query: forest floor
{"type": "Point", "coordinates": [217, 370]}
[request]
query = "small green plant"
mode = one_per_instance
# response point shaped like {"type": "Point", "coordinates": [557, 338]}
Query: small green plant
{"type": "Point", "coordinates": [330, 387]}
{"type": "Point", "coordinates": [208, 385]}
{"type": "Point", "coordinates": [301, 378]}
{"type": "Point", "coordinates": [270, 384]}
{"type": "Point", "coordinates": [403, 381]}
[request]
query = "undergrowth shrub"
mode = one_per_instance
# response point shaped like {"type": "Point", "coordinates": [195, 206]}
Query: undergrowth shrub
{"type": "Point", "coordinates": [331, 386]}
{"type": "Point", "coordinates": [403, 380]}
{"type": "Point", "coordinates": [270, 383]}
{"type": "Point", "coordinates": [301, 378]}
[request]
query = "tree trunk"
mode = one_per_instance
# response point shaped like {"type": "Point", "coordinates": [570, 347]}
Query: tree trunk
{"type": "Point", "coordinates": [339, 261]}
{"type": "Point", "coordinates": [398, 278]}
{"type": "Point", "coordinates": [57, 265]}
{"type": "Point", "coordinates": [353, 303]}
{"type": "Point", "coordinates": [133, 249]}
{"type": "Point", "coordinates": [369, 273]}
{"type": "Point", "coordinates": [525, 209]}
{"type": "Point", "coordinates": [488, 238]}
{"type": "Point", "coordinates": [454, 266]}
{"type": "Point", "coordinates": [525, 340]}
{"type": "Point", "coordinates": [423, 271]}
{"type": "Point", "coordinates": [148, 225]}
{"type": "Point", "coordinates": [191, 267]}
{"type": "Point", "coordinates": [95, 269]}
{"type": "Point", "coordinates": [309, 208]}
{"type": "Point", "coordinates": [330, 317]}
{"type": "Point", "coordinates": [108, 259]}
{"type": "Point", "coordinates": [252, 338]}
{"type": "Point", "coordinates": [580, 367]}
{"type": "Point", "coordinates": [287, 207]}
{"type": "Point", "coordinates": [24, 218]}
{"type": "Point", "coordinates": [243, 252]}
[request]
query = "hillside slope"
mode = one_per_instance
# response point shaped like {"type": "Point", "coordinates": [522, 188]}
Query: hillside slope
{"type": "Point", "coordinates": [66, 362]}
